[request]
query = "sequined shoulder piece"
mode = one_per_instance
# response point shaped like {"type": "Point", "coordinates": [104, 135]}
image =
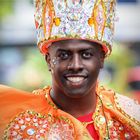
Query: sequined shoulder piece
{"type": "Point", "coordinates": [129, 106]}
{"type": "Point", "coordinates": [31, 125]}
{"type": "Point", "coordinates": [45, 90]}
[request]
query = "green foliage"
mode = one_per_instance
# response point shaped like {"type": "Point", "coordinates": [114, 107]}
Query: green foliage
{"type": "Point", "coordinates": [120, 61]}
{"type": "Point", "coordinates": [6, 7]}
{"type": "Point", "coordinates": [33, 72]}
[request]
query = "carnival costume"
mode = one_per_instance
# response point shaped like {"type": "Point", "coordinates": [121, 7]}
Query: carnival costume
{"type": "Point", "coordinates": [34, 116]}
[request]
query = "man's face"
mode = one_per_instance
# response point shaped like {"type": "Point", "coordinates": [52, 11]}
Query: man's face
{"type": "Point", "coordinates": [75, 66]}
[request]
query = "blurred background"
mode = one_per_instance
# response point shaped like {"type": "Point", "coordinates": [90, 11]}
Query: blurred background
{"type": "Point", "coordinates": [23, 67]}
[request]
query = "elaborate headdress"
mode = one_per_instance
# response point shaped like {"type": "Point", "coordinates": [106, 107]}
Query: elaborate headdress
{"type": "Point", "coordinates": [91, 20]}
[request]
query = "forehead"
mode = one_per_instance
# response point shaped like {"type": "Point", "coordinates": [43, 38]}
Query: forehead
{"type": "Point", "coordinates": [74, 45]}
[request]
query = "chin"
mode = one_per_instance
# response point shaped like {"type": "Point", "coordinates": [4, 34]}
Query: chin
{"type": "Point", "coordinates": [76, 93]}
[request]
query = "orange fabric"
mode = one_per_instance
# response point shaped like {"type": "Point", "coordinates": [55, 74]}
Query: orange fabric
{"type": "Point", "coordinates": [13, 102]}
{"type": "Point", "coordinates": [34, 115]}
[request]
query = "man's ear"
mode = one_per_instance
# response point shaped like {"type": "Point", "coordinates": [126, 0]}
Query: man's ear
{"type": "Point", "coordinates": [102, 58]}
{"type": "Point", "coordinates": [48, 60]}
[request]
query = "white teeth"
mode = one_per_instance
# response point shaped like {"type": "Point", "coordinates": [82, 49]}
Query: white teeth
{"type": "Point", "coordinates": [75, 79]}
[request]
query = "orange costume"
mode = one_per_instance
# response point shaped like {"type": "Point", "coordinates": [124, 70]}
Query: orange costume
{"type": "Point", "coordinates": [34, 116]}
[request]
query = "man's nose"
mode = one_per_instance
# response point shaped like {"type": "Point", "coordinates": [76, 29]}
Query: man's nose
{"type": "Point", "coordinates": [75, 63]}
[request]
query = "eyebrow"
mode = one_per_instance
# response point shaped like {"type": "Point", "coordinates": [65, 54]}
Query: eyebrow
{"type": "Point", "coordinates": [62, 50]}
{"type": "Point", "coordinates": [86, 49]}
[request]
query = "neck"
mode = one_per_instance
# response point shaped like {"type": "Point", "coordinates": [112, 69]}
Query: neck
{"type": "Point", "coordinates": [75, 106]}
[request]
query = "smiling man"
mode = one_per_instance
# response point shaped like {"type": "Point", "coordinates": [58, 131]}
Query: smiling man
{"type": "Point", "coordinates": [75, 36]}
{"type": "Point", "coordinates": [75, 65]}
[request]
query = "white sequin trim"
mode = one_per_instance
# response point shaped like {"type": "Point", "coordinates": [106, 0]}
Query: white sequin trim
{"type": "Point", "coordinates": [129, 106]}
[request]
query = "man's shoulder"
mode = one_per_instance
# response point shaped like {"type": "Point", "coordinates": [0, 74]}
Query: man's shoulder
{"type": "Point", "coordinates": [106, 93]}
{"type": "Point", "coordinates": [8, 91]}
{"type": "Point", "coordinates": [17, 104]}
{"type": "Point", "coordinates": [119, 102]}
{"type": "Point", "coordinates": [10, 95]}
{"type": "Point", "coordinates": [14, 97]}
{"type": "Point", "coordinates": [128, 106]}
{"type": "Point", "coordinates": [14, 101]}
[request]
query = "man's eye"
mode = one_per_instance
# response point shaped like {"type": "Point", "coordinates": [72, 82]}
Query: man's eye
{"type": "Point", "coordinates": [87, 55]}
{"type": "Point", "coordinates": [63, 55]}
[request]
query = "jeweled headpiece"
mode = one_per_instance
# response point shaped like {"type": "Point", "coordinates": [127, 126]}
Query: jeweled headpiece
{"type": "Point", "coordinates": [91, 20]}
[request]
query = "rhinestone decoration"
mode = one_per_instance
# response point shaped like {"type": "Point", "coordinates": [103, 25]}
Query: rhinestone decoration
{"type": "Point", "coordinates": [118, 128]}
{"type": "Point", "coordinates": [27, 125]}
{"type": "Point", "coordinates": [127, 136]}
{"type": "Point", "coordinates": [74, 19]}
{"type": "Point", "coordinates": [101, 119]}
{"type": "Point", "coordinates": [57, 21]}
{"type": "Point", "coordinates": [30, 131]}
{"type": "Point", "coordinates": [70, 18]}
{"type": "Point", "coordinates": [34, 126]}
{"type": "Point", "coordinates": [61, 131]}
{"type": "Point", "coordinates": [118, 131]}
{"type": "Point", "coordinates": [127, 105]}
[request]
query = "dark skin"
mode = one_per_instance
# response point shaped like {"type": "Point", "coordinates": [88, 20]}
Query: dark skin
{"type": "Point", "coordinates": [75, 67]}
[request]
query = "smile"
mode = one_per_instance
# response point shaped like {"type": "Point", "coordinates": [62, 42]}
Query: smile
{"type": "Point", "coordinates": [75, 79]}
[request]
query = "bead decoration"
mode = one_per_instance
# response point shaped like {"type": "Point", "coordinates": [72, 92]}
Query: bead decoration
{"type": "Point", "coordinates": [80, 19]}
{"type": "Point", "coordinates": [38, 128]}
{"type": "Point", "coordinates": [57, 21]}
{"type": "Point", "coordinates": [30, 131]}
{"type": "Point", "coordinates": [90, 21]}
{"type": "Point", "coordinates": [127, 105]}
{"type": "Point", "coordinates": [117, 130]}
{"type": "Point", "coordinates": [35, 126]}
